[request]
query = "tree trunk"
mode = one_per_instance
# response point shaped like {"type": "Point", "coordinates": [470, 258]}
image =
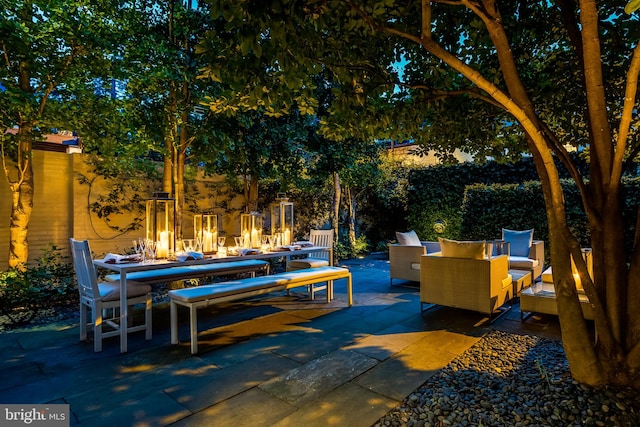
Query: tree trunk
{"type": "Point", "coordinates": [22, 187]}
{"type": "Point", "coordinates": [252, 202]}
{"type": "Point", "coordinates": [586, 364]}
{"type": "Point", "coordinates": [21, 201]}
{"type": "Point", "coordinates": [335, 205]}
{"type": "Point", "coordinates": [351, 220]}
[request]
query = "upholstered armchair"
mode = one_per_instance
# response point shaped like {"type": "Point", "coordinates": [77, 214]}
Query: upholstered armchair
{"type": "Point", "coordinates": [469, 281]}
{"type": "Point", "coordinates": [524, 252]}
{"type": "Point", "coordinates": [404, 257]}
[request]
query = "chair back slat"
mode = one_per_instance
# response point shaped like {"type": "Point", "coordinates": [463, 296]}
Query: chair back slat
{"type": "Point", "coordinates": [85, 270]}
{"type": "Point", "coordinates": [321, 238]}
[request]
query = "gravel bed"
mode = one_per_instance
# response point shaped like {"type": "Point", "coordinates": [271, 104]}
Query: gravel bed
{"type": "Point", "coordinates": [513, 380]}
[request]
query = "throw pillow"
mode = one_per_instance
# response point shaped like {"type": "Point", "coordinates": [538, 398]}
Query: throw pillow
{"type": "Point", "coordinates": [410, 238]}
{"type": "Point", "coordinates": [462, 249]}
{"type": "Point", "coordinates": [519, 241]}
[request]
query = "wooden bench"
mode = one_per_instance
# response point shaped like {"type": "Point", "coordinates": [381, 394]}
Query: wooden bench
{"type": "Point", "coordinates": [195, 271]}
{"type": "Point", "coordinates": [203, 296]}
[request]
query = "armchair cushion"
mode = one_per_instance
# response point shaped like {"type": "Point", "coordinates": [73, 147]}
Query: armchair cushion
{"type": "Point", "coordinates": [520, 241]}
{"type": "Point", "coordinates": [523, 263]}
{"type": "Point", "coordinates": [410, 238]}
{"type": "Point", "coordinates": [462, 249]}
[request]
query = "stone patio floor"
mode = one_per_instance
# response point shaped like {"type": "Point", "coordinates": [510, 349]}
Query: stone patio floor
{"type": "Point", "coordinates": [272, 361]}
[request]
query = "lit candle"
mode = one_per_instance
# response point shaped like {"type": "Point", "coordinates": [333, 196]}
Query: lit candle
{"type": "Point", "coordinates": [286, 238]}
{"type": "Point", "coordinates": [246, 240]}
{"type": "Point", "coordinates": [255, 239]}
{"type": "Point", "coordinates": [207, 244]}
{"type": "Point", "coordinates": [162, 247]}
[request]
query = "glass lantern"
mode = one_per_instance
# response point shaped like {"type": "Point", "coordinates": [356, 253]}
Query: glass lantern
{"type": "Point", "coordinates": [251, 228]}
{"type": "Point", "coordinates": [205, 232]}
{"type": "Point", "coordinates": [160, 223]}
{"type": "Point", "coordinates": [282, 220]}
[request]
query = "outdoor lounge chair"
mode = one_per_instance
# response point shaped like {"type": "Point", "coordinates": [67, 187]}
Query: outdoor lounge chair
{"type": "Point", "coordinates": [467, 280]}
{"type": "Point", "coordinates": [524, 252]}
{"type": "Point", "coordinates": [404, 257]}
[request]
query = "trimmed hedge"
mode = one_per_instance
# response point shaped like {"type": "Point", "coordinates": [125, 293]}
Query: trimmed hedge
{"type": "Point", "coordinates": [480, 210]}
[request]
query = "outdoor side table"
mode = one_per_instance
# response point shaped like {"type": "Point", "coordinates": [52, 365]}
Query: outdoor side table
{"type": "Point", "coordinates": [521, 280]}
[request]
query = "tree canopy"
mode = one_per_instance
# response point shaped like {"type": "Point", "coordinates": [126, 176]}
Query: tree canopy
{"type": "Point", "coordinates": [492, 78]}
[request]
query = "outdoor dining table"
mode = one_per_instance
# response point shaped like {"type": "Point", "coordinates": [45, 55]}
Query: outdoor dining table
{"type": "Point", "coordinates": [124, 268]}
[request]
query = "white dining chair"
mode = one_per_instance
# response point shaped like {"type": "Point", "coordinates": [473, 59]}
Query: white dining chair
{"type": "Point", "coordinates": [101, 297]}
{"type": "Point", "coordinates": [322, 238]}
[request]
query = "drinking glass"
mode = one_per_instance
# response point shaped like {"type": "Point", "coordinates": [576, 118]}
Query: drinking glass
{"type": "Point", "coordinates": [151, 250]}
{"type": "Point", "coordinates": [136, 247]}
{"type": "Point", "coordinates": [238, 240]}
{"type": "Point", "coordinates": [142, 248]}
{"type": "Point", "coordinates": [222, 251]}
{"type": "Point", "coordinates": [188, 244]}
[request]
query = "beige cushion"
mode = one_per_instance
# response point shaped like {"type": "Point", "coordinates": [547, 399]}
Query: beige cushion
{"type": "Point", "coordinates": [110, 291]}
{"type": "Point", "coordinates": [462, 249]}
{"type": "Point", "coordinates": [410, 238]}
{"type": "Point", "coordinates": [522, 263]}
{"type": "Point", "coordinates": [308, 263]}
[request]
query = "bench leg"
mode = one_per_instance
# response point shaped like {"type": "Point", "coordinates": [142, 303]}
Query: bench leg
{"type": "Point", "coordinates": [173, 310]}
{"type": "Point", "coordinates": [193, 325]}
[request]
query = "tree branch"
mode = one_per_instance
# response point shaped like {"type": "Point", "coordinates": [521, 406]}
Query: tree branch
{"type": "Point", "coordinates": [631, 91]}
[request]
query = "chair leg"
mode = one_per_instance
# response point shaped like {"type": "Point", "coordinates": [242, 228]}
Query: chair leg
{"type": "Point", "coordinates": [96, 313]}
{"type": "Point", "coordinates": [83, 321]}
{"type": "Point", "coordinates": [147, 319]}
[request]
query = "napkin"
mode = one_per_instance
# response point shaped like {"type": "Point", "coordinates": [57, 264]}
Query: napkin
{"type": "Point", "coordinates": [303, 243]}
{"type": "Point", "coordinates": [189, 256]}
{"type": "Point", "coordinates": [287, 248]}
{"type": "Point", "coordinates": [248, 251]}
{"type": "Point", "coordinates": [121, 259]}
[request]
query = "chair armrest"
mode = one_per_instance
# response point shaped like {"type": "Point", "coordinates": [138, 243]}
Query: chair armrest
{"type": "Point", "coordinates": [537, 251]}
{"type": "Point", "coordinates": [404, 262]}
{"type": "Point", "coordinates": [403, 253]}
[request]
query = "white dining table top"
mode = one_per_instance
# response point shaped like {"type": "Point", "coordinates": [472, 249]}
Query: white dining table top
{"type": "Point", "coordinates": [208, 259]}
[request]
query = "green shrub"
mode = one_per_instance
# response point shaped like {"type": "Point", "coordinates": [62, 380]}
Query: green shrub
{"type": "Point", "coordinates": [48, 284]}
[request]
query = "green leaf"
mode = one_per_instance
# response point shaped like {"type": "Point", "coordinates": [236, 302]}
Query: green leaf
{"type": "Point", "coordinates": [632, 6]}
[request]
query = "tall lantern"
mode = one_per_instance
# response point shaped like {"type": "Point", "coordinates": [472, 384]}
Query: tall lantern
{"type": "Point", "coordinates": [251, 228]}
{"type": "Point", "coordinates": [282, 219]}
{"type": "Point", "coordinates": [205, 230]}
{"type": "Point", "coordinates": [160, 223]}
